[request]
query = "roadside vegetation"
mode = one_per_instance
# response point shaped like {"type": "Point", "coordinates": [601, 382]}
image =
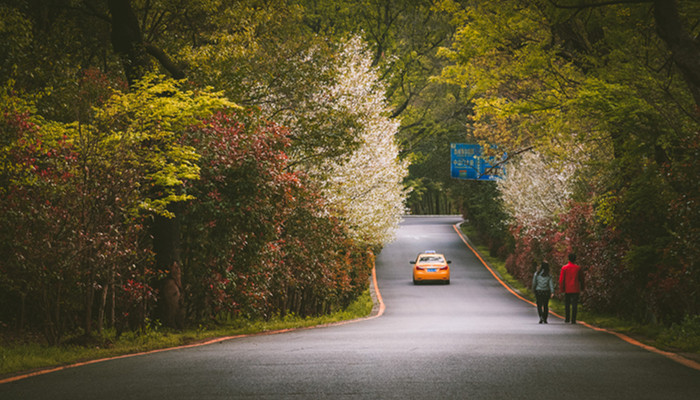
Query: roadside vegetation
{"type": "Point", "coordinates": [596, 110]}
{"type": "Point", "coordinates": [24, 353]}
{"type": "Point", "coordinates": [682, 337]}
{"type": "Point", "coordinates": [171, 165]}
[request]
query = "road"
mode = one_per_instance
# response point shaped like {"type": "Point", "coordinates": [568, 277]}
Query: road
{"type": "Point", "coordinates": [471, 339]}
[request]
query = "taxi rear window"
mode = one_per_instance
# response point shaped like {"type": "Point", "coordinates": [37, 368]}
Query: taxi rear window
{"type": "Point", "coordinates": [431, 259]}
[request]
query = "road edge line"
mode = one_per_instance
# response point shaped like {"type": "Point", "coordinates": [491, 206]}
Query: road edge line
{"type": "Point", "coordinates": [488, 267]}
{"type": "Point", "coordinates": [99, 360]}
{"type": "Point", "coordinates": [379, 313]}
{"type": "Point", "coordinates": [673, 356]}
{"type": "Point", "coordinates": [380, 300]}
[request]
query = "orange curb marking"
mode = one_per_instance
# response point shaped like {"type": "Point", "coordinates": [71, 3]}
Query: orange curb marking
{"type": "Point", "coordinates": [505, 285]}
{"type": "Point", "coordinates": [55, 369]}
{"type": "Point", "coordinates": [382, 307]}
{"type": "Point", "coordinates": [673, 356]}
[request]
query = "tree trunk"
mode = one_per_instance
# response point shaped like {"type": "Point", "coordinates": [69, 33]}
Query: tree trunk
{"type": "Point", "coordinates": [166, 245]}
{"type": "Point", "coordinates": [684, 49]}
{"type": "Point", "coordinates": [52, 313]}
{"type": "Point", "coordinates": [22, 311]}
{"type": "Point", "coordinates": [101, 310]}
{"type": "Point", "coordinates": [128, 43]}
{"type": "Point", "coordinates": [127, 40]}
{"type": "Point", "coordinates": [113, 304]}
{"type": "Point", "coordinates": [89, 299]}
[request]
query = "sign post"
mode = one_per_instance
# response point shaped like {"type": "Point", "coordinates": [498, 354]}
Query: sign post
{"type": "Point", "coordinates": [467, 163]}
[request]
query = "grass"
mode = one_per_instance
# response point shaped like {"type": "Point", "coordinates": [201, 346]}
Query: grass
{"type": "Point", "coordinates": [681, 338]}
{"type": "Point", "coordinates": [29, 355]}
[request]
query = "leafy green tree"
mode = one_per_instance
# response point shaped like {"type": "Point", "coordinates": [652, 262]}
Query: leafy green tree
{"type": "Point", "coordinates": [36, 199]}
{"type": "Point", "coordinates": [289, 80]}
{"type": "Point", "coordinates": [95, 73]}
{"type": "Point", "coordinates": [150, 120]}
{"type": "Point", "coordinates": [83, 189]}
{"type": "Point", "coordinates": [604, 87]}
{"type": "Point", "coordinates": [73, 230]}
{"type": "Point", "coordinates": [404, 39]}
{"type": "Point", "coordinates": [482, 208]}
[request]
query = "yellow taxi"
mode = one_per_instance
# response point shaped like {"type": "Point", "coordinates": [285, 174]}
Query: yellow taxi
{"type": "Point", "coordinates": [431, 266]}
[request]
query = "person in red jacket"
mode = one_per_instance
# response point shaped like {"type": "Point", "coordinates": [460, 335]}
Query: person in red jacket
{"type": "Point", "coordinates": [571, 283]}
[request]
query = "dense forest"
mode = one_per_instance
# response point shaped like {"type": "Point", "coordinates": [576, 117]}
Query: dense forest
{"type": "Point", "coordinates": [192, 161]}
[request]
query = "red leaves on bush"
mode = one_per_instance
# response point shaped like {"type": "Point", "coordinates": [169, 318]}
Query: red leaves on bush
{"type": "Point", "coordinates": [72, 234]}
{"type": "Point", "coordinates": [256, 234]}
{"type": "Point", "coordinates": [256, 240]}
{"type": "Point", "coordinates": [598, 250]}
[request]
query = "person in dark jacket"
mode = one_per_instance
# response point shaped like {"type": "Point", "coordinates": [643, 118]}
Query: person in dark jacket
{"type": "Point", "coordinates": [571, 283]}
{"type": "Point", "coordinates": [543, 286]}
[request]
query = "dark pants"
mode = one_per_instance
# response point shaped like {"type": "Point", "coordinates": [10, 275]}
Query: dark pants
{"type": "Point", "coordinates": [571, 306]}
{"type": "Point", "coordinates": [542, 297]}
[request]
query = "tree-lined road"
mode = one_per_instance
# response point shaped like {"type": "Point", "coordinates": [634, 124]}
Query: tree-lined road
{"type": "Point", "coordinates": [469, 340]}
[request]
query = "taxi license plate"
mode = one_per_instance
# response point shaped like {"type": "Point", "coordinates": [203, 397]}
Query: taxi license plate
{"type": "Point", "coordinates": [432, 270]}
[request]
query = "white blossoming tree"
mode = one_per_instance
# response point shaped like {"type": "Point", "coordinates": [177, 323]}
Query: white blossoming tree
{"type": "Point", "coordinates": [333, 103]}
{"type": "Point", "coordinates": [365, 189]}
{"type": "Point", "coordinates": [536, 189]}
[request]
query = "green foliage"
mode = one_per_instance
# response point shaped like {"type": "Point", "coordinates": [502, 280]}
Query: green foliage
{"type": "Point", "coordinates": [593, 89]}
{"type": "Point", "coordinates": [426, 133]}
{"type": "Point", "coordinates": [78, 190]}
{"type": "Point", "coordinates": [684, 335]}
{"type": "Point", "coordinates": [149, 121]}
{"type": "Point", "coordinates": [256, 240]}
{"type": "Point", "coordinates": [38, 195]}
{"type": "Point", "coordinates": [404, 38]}
{"type": "Point", "coordinates": [603, 90]}
{"type": "Point", "coordinates": [256, 243]}
{"type": "Point", "coordinates": [292, 81]}
{"type": "Point", "coordinates": [15, 37]}
{"type": "Point", "coordinates": [89, 163]}
{"type": "Point", "coordinates": [483, 211]}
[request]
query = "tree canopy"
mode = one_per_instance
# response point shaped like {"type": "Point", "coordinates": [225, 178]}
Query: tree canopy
{"type": "Point", "coordinates": [605, 93]}
{"type": "Point", "coordinates": [171, 153]}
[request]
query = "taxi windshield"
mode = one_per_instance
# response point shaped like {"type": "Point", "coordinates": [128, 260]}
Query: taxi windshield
{"type": "Point", "coordinates": [431, 259]}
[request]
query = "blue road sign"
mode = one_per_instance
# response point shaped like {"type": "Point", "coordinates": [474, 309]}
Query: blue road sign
{"type": "Point", "coordinates": [467, 163]}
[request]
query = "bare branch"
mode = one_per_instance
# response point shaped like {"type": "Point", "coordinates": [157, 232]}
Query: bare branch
{"type": "Point", "coordinates": [175, 71]}
{"type": "Point", "coordinates": [488, 171]}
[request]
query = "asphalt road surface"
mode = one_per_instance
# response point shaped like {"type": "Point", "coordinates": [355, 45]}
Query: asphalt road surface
{"type": "Point", "coordinates": [471, 339]}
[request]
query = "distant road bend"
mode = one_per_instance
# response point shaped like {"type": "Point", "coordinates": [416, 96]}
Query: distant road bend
{"type": "Point", "coordinates": [471, 339]}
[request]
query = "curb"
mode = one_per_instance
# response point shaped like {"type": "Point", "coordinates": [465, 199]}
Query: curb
{"type": "Point", "coordinates": [673, 356]}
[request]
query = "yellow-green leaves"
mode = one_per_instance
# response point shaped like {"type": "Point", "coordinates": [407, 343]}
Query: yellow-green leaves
{"type": "Point", "coordinates": [505, 55]}
{"type": "Point", "coordinates": [148, 122]}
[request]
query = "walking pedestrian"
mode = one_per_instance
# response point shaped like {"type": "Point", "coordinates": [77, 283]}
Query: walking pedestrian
{"type": "Point", "coordinates": [543, 286]}
{"type": "Point", "coordinates": [571, 283]}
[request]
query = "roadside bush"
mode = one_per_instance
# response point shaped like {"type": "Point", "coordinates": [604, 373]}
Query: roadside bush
{"type": "Point", "coordinates": [683, 335]}
{"type": "Point", "coordinates": [257, 240]}
{"type": "Point", "coordinates": [73, 237]}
